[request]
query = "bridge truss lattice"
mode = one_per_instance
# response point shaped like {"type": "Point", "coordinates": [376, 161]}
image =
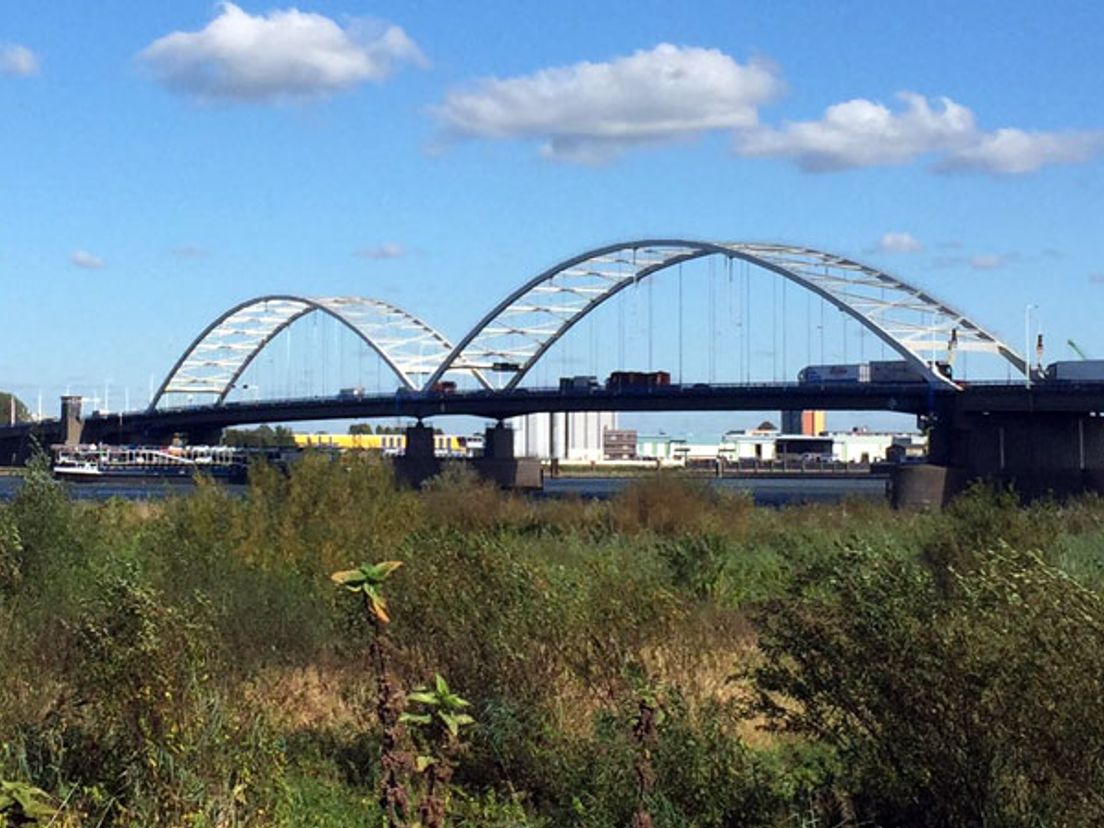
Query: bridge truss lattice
{"type": "Point", "coordinates": [211, 365]}
{"type": "Point", "coordinates": [517, 332]}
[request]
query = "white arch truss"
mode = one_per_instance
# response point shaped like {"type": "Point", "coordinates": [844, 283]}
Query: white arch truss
{"type": "Point", "coordinates": [520, 329]}
{"type": "Point", "coordinates": [216, 358]}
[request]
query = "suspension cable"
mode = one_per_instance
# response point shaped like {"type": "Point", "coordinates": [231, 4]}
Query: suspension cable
{"type": "Point", "coordinates": [680, 323]}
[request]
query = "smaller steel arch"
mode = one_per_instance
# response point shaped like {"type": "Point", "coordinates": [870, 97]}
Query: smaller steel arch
{"type": "Point", "coordinates": [219, 355]}
{"type": "Point", "coordinates": [524, 325]}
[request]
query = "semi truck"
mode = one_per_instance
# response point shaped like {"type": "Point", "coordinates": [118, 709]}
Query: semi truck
{"type": "Point", "coordinates": [638, 379]}
{"type": "Point", "coordinates": [897, 370]}
{"type": "Point", "coordinates": [581, 382]}
{"type": "Point", "coordinates": [822, 374]}
{"type": "Point", "coordinates": [1076, 370]}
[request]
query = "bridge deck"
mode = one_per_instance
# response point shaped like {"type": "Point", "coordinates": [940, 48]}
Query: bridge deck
{"type": "Point", "coordinates": [911, 398]}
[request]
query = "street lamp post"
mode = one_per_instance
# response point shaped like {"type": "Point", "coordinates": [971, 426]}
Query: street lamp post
{"type": "Point", "coordinates": [1027, 344]}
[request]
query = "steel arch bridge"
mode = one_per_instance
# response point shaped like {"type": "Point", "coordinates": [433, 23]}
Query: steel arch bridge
{"type": "Point", "coordinates": [518, 331]}
{"type": "Point", "coordinates": [213, 362]}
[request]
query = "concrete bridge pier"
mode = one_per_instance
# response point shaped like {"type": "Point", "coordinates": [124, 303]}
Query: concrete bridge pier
{"type": "Point", "coordinates": [418, 462]}
{"type": "Point", "coordinates": [499, 465]}
{"type": "Point", "coordinates": [1037, 453]}
{"type": "Point", "coordinates": [1059, 453]}
{"type": "Point", "coordinates": [931, 485]}
{"type": "Point", "coordinates": [72, 423]}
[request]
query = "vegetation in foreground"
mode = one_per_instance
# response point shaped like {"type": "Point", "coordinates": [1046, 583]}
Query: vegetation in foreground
{"type": "Point", "coordinates": [13, 409]}
{"type": "Point", "coordinates": [673, 657]}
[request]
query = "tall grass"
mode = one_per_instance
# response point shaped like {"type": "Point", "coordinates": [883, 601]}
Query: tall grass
{"type": "Point", "coordinates": [188, 662]}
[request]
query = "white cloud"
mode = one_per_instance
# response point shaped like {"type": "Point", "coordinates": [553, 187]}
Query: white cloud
{"type": "Point", "coordinates": [280, 55]}
{"type": "Point", "coordinates": [383, 251]}
{"type": "Point", "coordinates": [864, 133]}
{"type": "Point", "coordinates": [900, 243]}
{"type": "Point", "coordinates": [988, 261]}
{"type": "Point", "coordinates": [82, 258]}
{"type": "Point", "coordinates": [17, 60]}
{"type": "Point", "coordinates": [591, 112]}
{"type": "Point", "coordinates": [1012, 151]}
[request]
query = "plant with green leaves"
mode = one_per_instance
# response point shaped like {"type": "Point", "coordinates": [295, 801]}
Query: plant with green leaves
{"type": "Point", "coordinates": [367, 581]}
{"type": "Point", "coordinates": [23, 804]}
{"type": "Point", "coordinates": [11, 552]}
{"type": "Point", "coordinates": [438, 720]}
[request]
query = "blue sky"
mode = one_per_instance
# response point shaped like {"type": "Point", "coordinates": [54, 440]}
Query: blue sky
{"type": "Point", "coordinates": [162, 161]}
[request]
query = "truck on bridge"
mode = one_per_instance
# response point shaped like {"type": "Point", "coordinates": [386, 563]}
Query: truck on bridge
{"type": "Point", "coordinates": [897, 370]}
{"type": "Point", "coordinates": [1076, 370]}
{"type": "Point", "coordinates": [626, 380]}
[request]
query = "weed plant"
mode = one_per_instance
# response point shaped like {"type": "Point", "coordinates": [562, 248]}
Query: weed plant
{"type": "Point", "coordinates": [189, 663]}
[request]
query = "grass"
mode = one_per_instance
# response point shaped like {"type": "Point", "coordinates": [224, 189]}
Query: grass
{"type": "Point", "coordinates": [188, 662]}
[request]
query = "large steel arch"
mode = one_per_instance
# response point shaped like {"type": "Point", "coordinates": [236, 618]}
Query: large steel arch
{"type": "Point", "coordinates": [213, 362]}
{"type": "Point", "coordinates": [521, 328]}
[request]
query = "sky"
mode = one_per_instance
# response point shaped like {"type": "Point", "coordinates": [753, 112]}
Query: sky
{"type": "Point", "coordinates": [162, 161]}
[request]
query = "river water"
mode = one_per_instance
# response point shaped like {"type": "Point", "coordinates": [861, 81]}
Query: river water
{"type": "Point", "coordinates": [765, 492]}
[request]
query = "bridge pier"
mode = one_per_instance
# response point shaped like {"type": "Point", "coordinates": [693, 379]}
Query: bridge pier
{"type": "Point", "coordinates": [1038, 453]}
{"type": "Point", "coordinates": [499, 465]}
{"type": "Point", "coordinates": [418, 462]}
{"type": "Point", "coordinates": [925, 485]}
{"type": "Point", "coordinates": [72, 423]}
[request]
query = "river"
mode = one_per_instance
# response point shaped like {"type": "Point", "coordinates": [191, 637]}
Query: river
{"type": "Point", "coordinates": [765, 492]}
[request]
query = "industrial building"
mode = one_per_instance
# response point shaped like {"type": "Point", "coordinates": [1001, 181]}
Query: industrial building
{"type": "Point", "coordinates": [575, 436]}
{"type": "Point", "coordinates": [809, 423]}
{"type": "Point", "coordinates": [768, 445]}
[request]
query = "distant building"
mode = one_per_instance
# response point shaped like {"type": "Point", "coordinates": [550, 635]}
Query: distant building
{"type": "Point", "coordinates": [753, 444]}
{"type": "Point", "coordinates": [565, 436]}
{"type": "Point", "coordinates": [804, 447]}
{"type": "Point", "coordinates": [808, 423]}
{"type": "Point", "coordinates": [619, 444]}
{"type": "Point", "coordinates": [768, 445]}
{"type": "Point", "coordinates": [661, 447]}
{"type": "Point", "coordinates": [861, 446]}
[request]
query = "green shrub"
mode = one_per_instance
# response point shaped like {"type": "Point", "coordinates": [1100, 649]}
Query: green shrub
{"type": "Point", "coordinates": [696, 562]}
{"type": "Point", "coordinates": [981, 518]}
{"type": "Point", "coordinates": [459, 500]}
{"type": "Point", "coordinates": [45, 522]}
{"type": "Point", "coordinates": [967, 707]}
{"type": "Point", "coordinates": [11, 552]}
{"type": "Point", "coordinates": [187, 662]}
